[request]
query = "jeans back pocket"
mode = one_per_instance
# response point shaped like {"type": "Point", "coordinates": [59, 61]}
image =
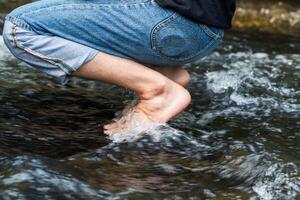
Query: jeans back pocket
{"type": "Point", "coordinates": [180, 39]}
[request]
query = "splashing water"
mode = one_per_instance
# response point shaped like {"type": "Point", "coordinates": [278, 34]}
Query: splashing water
{"type": "Point", "coordinates": [141, 128]}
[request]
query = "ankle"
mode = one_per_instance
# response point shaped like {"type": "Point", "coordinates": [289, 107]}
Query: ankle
{"type": "Point", "coordinates": [159, 87]}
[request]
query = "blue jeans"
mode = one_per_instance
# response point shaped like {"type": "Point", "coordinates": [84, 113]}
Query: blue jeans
{"type": "Point", "coordinates": [59, 36]}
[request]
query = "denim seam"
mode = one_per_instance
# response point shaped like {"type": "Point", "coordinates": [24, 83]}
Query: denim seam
{"type": "Point", "coordinates": [164, 23]}
{"type": "Point", "coordinates": [19, 22]}
{"type": "Point", "coordinates": [10, 43]}
{"type": "Point", "coordinates": [209, 32]}
{"type": "Point", "coordinates": [53, 61]}
{"type": "Point", "coordinates": [89, 6]}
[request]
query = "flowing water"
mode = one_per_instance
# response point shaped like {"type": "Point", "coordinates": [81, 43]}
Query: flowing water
{"type": "Point", "coordinates": [239, 139]}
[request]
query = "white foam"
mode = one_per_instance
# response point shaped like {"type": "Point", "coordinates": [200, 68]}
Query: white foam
{"type": "Point", "coordinates": [136, 133]}
{"type": "Point", "coordinates": [140, 126]}
{"type": "Point", "coordinates": [157, 132]}
{"type": "Point", "coordinates": [281, 181]}
{"type": "Point", "coordinates": [221, 81]}
{"type": "Point", "coordinates": [245, 72]}
{"type": "Point", "coordinates": [17, 178]}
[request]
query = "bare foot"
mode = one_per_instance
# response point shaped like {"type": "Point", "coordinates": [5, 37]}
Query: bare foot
{"type": "Point", "coordinates": [176, 74]}
{"type": "Point", "coordinates": [133, 119]}
{"type": "Point", "coordinates": [157, 106]}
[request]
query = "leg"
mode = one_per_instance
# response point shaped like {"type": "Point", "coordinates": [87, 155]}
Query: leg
{"type": "Point", "coordinates": [160, 98]}
{"type": "Point", "coordinates": [176, 74]}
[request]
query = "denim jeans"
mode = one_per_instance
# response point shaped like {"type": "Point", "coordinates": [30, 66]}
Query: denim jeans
{"type": "Point", "coordinates": [59, 36]}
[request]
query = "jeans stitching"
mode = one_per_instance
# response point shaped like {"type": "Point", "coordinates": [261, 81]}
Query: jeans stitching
{"type": "Point", "coordinates": [8, 39]}
{"type": "Point", "coordinates": [53, 61]}
{"type": "Point", "coordinates": [19, 22]}
{"type": "Point", "coordinates": [164, 23]}
{"type": "Point", "coordinates": [159, 26]}
{"type": "Point", "coordinates": [209, 32]}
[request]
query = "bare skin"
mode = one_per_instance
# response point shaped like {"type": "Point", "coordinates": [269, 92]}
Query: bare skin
{"type": "Point", "coordinates": [160, 98]}
{"type": "Point", "coordinates": [176, 74]}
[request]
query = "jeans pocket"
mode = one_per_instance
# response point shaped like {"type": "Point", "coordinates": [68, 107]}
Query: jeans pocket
{"type": "Point", "coordinates": [180, 39]}
{"type": "Point", "coordinates": [215, 33]}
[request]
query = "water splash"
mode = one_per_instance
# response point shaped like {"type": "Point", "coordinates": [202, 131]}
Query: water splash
{"type": "Point", "coordinates": [249, 73]}
{"type": "Point", "coordinates": [135, 133]}
{"type": "Point", "coordinates": [156, 133]}
{"type": "Point", "coordinates": [131, 125]}
{"type": "Point", "coordinates": [140, 127]}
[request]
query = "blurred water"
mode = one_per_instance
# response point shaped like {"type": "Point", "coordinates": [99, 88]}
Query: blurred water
{"type": "Point", "coordinates": [239, 139]}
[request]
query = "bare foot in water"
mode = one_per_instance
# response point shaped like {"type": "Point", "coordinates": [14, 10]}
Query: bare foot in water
{"type": "Point", "coordinates": [157, 106]}
{"type": "Point", "coordinates": [131, 120]}
{"type": "Point", "coordinates": [176, 74]}
{"type": "Point", "coordinates": [160, 98]}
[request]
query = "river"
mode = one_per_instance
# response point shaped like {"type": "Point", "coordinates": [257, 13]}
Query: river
{"type": "Point", "coordinates": [239, 139]}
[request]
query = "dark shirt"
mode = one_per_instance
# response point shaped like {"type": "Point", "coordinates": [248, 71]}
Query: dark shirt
{"type": "Point", "coordinates": [217, 13]}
